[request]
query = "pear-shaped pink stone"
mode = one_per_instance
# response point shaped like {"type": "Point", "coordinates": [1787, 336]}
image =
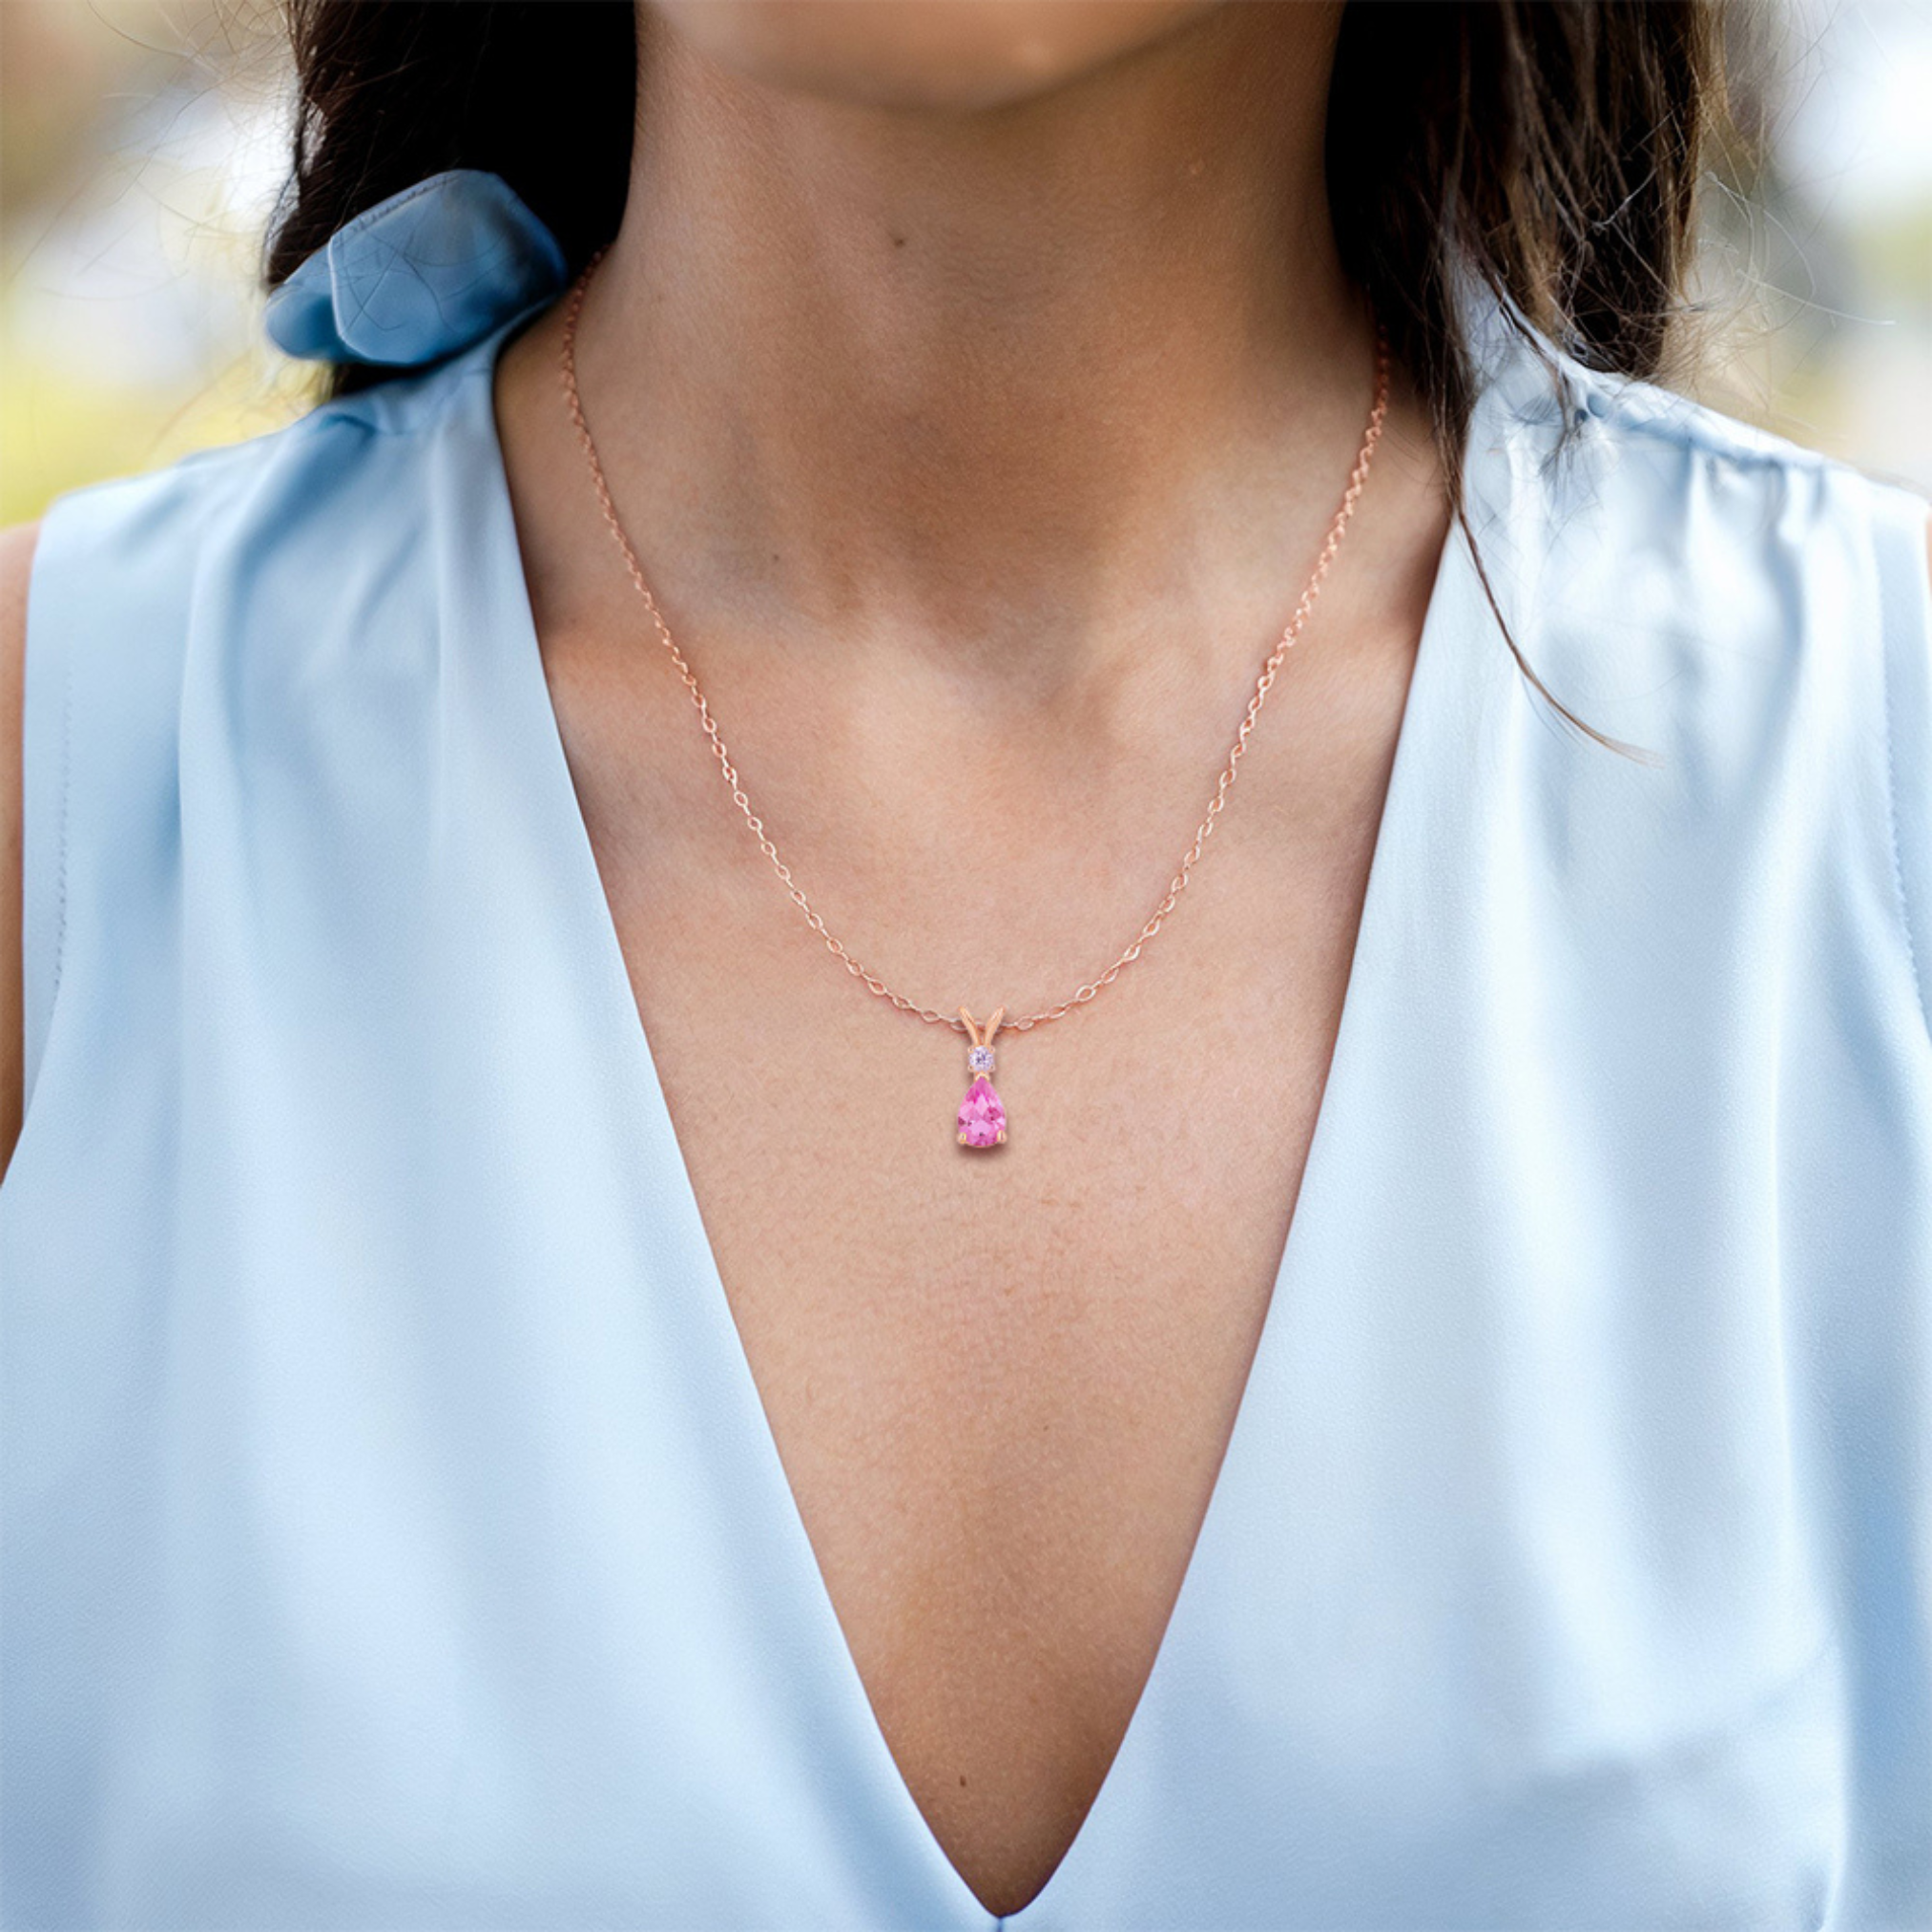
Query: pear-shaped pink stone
{"type": "Point", "coordinates": [982, 1119]}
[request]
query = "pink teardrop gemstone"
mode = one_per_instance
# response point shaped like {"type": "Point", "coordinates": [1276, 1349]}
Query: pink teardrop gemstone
{"type": "Point", "coordinates": [982, 1119]}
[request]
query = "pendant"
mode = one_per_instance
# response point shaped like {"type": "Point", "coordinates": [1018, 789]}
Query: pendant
{"type": "Point", "coordinates": [982, 1119]}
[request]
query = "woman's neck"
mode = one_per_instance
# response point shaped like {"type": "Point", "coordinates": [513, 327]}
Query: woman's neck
{"type": "Point", "coordinates": [993, 380]}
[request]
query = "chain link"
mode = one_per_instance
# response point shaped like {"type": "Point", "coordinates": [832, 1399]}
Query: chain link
{"type": "Point", "coordinates": [1358, 479]}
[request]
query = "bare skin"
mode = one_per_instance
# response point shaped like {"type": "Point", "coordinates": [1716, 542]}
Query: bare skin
{"type": "Point", "coordinates": [978, 458]}
{"type": "Point", "coordinates": [976, 389]}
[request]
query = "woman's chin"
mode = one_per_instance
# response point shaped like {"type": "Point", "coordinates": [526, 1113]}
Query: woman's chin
{"type": "Point", "coordinates": [932, 55]}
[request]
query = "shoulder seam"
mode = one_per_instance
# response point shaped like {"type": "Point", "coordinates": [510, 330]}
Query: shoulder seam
{"type": "Point", "coordinates": [214, 465]}
{"type": "Point", "coordinates": [49, 864]}
{"type": "Point", "coordinates": [61, 844]}
{"type": "Point", "coordinates": [381, 412]}
{"type": "Point", "coordinates": [1886, 645]}
{"type": "Point", "coordinates": [1675, 418]}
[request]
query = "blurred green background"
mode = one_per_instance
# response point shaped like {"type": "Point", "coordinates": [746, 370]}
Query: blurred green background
{"type": "Point", "coordinates": [143, 144]}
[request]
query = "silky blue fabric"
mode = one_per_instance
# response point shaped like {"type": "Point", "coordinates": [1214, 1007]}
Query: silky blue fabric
{"type": "Point", "coordinates": [391, 1537]}
{"type": "Point", "coordinates": [418, 274]}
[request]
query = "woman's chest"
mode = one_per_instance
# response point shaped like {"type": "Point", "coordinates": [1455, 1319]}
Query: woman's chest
{"type": "Point", "coordinates": [1001, 1381]}
{"type": "Point", "coordinates": [437, 1565]}
{"type": "Point", "coordinates": [456, 1580]}
{"type": "Point", "coordinates": [441, 1557]}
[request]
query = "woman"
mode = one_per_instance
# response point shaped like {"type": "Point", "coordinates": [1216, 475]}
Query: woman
{"type": "Point", "coordinates": [1402, 1401]}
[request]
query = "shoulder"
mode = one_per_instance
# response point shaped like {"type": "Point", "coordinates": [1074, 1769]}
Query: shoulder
{"type": "Point", "coordinates": [226, 564]}
{"type": "Point", "coordinates": [279, 484]}
{"type": "Point", "coordinates": [234, 547]}
{"type": "Point", "coordinates": [1758, 614]}
{"type": "Point", "coordinates": [234, 554]}
{"type": "Point", "coordinates": [1638, 526]}
{"type": "Point", "coordinates": [1633, 469]}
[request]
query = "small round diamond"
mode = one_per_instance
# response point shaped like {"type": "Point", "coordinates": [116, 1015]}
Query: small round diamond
{"type": "Point", "coordinates": [980, 1059]}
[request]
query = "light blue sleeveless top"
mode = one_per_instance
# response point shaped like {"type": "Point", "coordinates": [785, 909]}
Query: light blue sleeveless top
{"type": "Point", "coordinates": [391, 1535]}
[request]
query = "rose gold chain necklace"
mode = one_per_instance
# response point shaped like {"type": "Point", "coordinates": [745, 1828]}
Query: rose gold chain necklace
{"type": "Point", "coordinates": [981, 1117]}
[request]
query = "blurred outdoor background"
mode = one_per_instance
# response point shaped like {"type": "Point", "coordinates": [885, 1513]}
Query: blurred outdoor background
{"type": "Point", "coordinates": [143, 143]}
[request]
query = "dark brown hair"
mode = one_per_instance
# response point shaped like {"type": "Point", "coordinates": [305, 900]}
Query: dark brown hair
{"type": "Point", "coordinates": [1549, 150]}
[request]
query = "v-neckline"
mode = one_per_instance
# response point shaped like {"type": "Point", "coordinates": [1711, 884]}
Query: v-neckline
{"type": "Point", "coordinates": [554, 797]}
